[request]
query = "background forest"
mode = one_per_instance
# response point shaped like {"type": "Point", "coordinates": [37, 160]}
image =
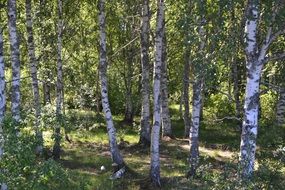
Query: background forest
{"type": "Point", "coordinates": [139, 94]}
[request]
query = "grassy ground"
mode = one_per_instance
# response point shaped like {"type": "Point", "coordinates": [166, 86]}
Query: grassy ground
{"type": "Point", "coordinates": [89, 150]}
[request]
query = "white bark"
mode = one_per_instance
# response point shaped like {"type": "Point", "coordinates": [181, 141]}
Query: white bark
{"type": "Point", "coordinates": [195, 125]}
{"type": "Point", "coordinates": [197, 105]}
{"type": "Point", "coordinates": [255, 59]}
{"type": "Point", "coordinates": [116, 156]}
{"type": "Point", "coordinates": [154, 147]}
{"type": "Point", "coordinates": [59, 84]}
{"type": "Point", "coordinates": [254, 66]}
{"type": "Point", "coordinates": [15, 60]}
{"type": "Point", "coordinates": [34, 74]}
{"type": "Point", "coordinates": [145, 113]}
{"type": "Point", "coordinates": [2, 100]}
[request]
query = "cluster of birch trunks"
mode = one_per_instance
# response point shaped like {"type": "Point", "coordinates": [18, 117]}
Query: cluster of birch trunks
{"type": "Point", "coordinates": [256, 55]}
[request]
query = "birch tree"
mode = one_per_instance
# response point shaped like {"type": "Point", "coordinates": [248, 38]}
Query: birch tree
{"type": "Point", "coordinates": [256, 57]}
{"type": "Point", "coordinates": [115, 154]}
{"type": "Point", "coordinates": [34, 73]}
{"type": "Point", "coordinates": [15, 60]}
{"type": "Point", "coordinates": [197, 95]}
{"type": "Point", "coordinates": [2, 101]}
{"type": "Point", "coordinates": [165, 116]}
{"type": "Point", "coordinates": [59, 84]}
{"type": "Point", "coordinates": [145, 109]}
{"type": "Point", "coordinates": [154, 147]}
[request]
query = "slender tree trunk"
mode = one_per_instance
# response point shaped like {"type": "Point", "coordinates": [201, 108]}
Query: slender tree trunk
{"type": "Point", "coordinates": [154, 147]}
{"type": "Point", "coordinates": [2, 101]}
{"type": "Point", "coordinates": [166, 122]}
{"type": "Point", "coordinates": [195, 125]}
{"type": "Point", "coordinates": [59, 85]}
{"type": "Point", "coordinates": [145, 112]}
{"type": "Point", "coordinates": [197, 100]}
{"type": "Point", "coordinates": [15, 59]}
{"type": "Point", "coordinates": [34, 74]}
{"type": "Point", "coordinates": [186, 114]}
{"type": "Point", "coordinates": [116, 156]}
{"type": "Point", "coordinates": [281, 108]}
{"type": "Point", "coordinates": [251, 105]}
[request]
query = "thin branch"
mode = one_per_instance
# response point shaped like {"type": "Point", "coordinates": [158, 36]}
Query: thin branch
{"type": "Point", "coordinates": [269, 37]}
{"type": "Point", "coordinates": [276, 35]}
{"type": "Point", "coordinates": [123, 47]}
{"type": "Point", "coordinates": [227, 117]}
{"type": "Point", "coordinates": [275, 57]}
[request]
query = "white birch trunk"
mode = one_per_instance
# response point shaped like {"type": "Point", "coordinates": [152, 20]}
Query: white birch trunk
{"type": "Point", "coordinates": [166, 122]}
{"type": "Point", "coordinates": [15, 60]}
{"type": "Point", "coordinates": [116, 156]}
{"type": "Point", "coordinates": [2, 100]}
{"type": "Point", "coordinates": [154, 147]}
{"type": "Point", "coordinates": [254, 66]}
{"type": "Point", "coordinates": [255, 59]}
{"type": "Point", "coordinates": [197, 103]}
{"type": "Point", "coordinates": [145, 113]}
{"type": "Point", "coordinates": [195, 125]}
{"type": "Point", "coordinates": [59, 84]}
{"type": "Point", "coordinates": [34, 74]}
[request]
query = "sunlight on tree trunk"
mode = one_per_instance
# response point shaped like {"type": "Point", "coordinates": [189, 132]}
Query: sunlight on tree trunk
{"type": "Point", "coordinates": [116, 156]}
{"type": "Point", "coordinates": [155, 133]}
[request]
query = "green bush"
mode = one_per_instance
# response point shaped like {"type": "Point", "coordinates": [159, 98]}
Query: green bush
{"type": "Point", "coordinates": [22, 169]}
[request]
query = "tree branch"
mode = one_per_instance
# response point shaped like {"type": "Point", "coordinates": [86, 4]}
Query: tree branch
{"type": "Point", "coordinates": [227, 117]}
{"type": "Point", "coordinates": [275, 57]}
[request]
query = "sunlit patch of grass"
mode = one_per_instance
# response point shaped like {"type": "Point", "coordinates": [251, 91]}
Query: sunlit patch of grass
{"type": "Point", "coordinates": [96, 136]}
{"type": "Point", "coordinates": [89, 151]}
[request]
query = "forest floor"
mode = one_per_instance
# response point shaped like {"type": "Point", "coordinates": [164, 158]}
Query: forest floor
{"type": "Point", "coordinates": [88, 151]}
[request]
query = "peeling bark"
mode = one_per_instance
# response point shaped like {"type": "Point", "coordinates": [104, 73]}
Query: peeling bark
{"type": "Point", "coordinates": [15, 60]}
{"type": "Point", "coordinates": [145, 109]}
{"type": "Point", "coordinates": [154, 147]}
{"type": "Point", "coordinates": [116, 156]}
